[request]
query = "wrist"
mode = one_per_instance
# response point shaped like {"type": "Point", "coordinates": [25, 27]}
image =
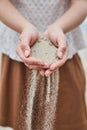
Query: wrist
{"type": "Point", "coordinates": [63, 25]}
{"type": "Point", "coordinates": [28, 26]}
{"type": "Point", "coordinates": [58, 26]}
{"type": "Point", "coordinates": [24, 26]}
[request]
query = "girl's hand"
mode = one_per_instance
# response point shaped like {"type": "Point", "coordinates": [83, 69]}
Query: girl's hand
{"type": "Point", "coordinates": [56, 35]}
{"type": "Point", "coordinates": [28, 36]}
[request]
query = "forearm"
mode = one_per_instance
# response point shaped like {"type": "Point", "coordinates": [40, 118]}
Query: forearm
{"type": "Point", "coordinates": [74, 16]}
{"type": "Point", "coordinates": [10, 16]}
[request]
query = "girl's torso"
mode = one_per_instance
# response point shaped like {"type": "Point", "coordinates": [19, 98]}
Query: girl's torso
{"type": "Point", "coordinates": [40, 13]}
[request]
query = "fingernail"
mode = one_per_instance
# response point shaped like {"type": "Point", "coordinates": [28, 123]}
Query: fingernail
{"type": "Point", "coordinates": [26, 53]}
{"type": "Point", "coordinates": [60, 54]}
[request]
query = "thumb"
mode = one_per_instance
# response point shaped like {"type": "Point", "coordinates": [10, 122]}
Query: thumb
{"type": "Point", "coordinates": [27, 51]}
{"type": "Point", "coordinates": [59, 53]}
{"type": "Point", "coordinates": [25, 44]}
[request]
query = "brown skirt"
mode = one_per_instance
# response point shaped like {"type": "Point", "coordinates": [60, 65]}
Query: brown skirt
{"type": "Point", "coordinates": [70, 107]}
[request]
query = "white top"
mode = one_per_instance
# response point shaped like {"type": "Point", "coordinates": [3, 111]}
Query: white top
{"type": "Point", "coordinates": [40, 13]}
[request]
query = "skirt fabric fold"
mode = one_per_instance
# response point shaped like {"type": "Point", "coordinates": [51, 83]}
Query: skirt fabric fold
{"type": "Point", "coordinates": [29, 101]}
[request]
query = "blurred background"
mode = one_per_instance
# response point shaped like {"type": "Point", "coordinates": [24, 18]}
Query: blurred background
{"type": "Point", "coordinates": [83, 53]}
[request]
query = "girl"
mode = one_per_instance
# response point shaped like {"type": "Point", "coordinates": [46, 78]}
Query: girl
{"type": "Point", "coordinates": [26, 20]}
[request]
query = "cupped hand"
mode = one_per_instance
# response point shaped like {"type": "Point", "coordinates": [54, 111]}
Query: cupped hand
{"type": "Point", "coordinates": [28, 37]}
{"type": "Point", "coordinates": [56, 35]}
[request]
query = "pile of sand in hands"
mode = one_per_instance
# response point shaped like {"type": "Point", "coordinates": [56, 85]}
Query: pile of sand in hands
{"type": "Point", "coordinates": [45, 50]}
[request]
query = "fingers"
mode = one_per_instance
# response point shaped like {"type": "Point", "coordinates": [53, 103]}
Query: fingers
{"type": "Point", "coordinates": [60, 61]}
{"type": "Point", "coordinates": [39, 67]}
{"type": "Point", "coordinates": [61, 50]}
{"type": "Point", "coordinates": [35, 67]}
{"type": "Point", "coordinates": [48, 72]}
{"type": "Point", "coordinates": [24, 46]}
{"type": "Point", "coordinates": [23, 51]}
{"type": "Point", "coordinates": [62, 53]}
{"type": "Point", "coordinates": [56, 65]}
{"type": "Point", "coordinates": [34, 61]}
{"type": "Point", "coordinates": [27, 52]}
{"type": "Point", "coordinates": [42, 72]}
